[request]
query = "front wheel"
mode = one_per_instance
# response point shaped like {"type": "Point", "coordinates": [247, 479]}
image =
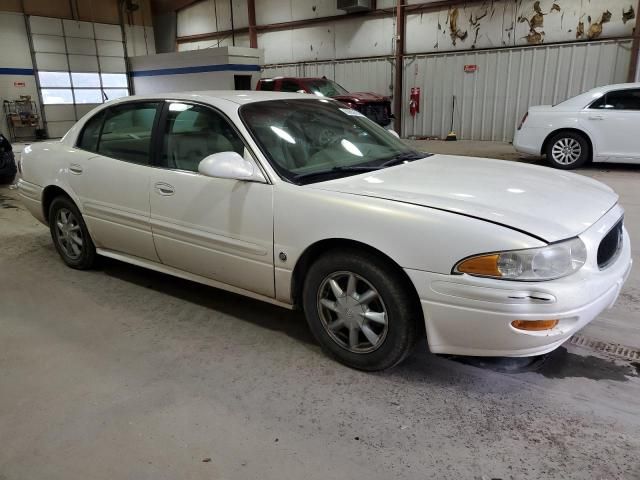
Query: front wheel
{"type": "Point", "coordinates": [361, 310]}
{"type": "Point", "coordinates": [567, 150]}
{"type": "Point", "coordinates": [70, 235]}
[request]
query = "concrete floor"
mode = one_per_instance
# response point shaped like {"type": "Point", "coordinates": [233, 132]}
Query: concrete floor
{"type": "Point", "coordinates": [121, 372]}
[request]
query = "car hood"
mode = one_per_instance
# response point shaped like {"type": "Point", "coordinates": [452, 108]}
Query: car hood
{"type": "Point", "coordinates": [364, 97]}
{"type": "Point", "coordinates": [548, 204]}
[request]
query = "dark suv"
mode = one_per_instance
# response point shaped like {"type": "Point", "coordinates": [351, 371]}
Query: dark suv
{"type": "Point", "coordinates": [7, 161]}
{"type": "Point", "coordinates": [374, 106]}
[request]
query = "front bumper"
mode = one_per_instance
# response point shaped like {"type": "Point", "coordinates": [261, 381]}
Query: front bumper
{"type": "Point", "coordinates": [466, 315]}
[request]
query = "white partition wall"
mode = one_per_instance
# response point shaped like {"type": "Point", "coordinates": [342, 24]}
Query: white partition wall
{"type": "Point", "coordinates": [79, 65]}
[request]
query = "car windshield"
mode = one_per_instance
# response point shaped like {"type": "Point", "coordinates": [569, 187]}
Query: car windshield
{"type": "Point", "coordinates": [325, 88]}
{"type": "Point", "coordinates": [311, 140]}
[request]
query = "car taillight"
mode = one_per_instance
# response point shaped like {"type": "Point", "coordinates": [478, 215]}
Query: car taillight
{"type": "Point", "coordinates": [523, 120]}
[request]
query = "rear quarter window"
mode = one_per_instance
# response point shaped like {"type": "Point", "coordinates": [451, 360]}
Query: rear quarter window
{"type": "Point", "coordinates": [88, 139]}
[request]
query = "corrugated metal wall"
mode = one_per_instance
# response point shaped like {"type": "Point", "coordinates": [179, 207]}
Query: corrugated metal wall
{"type": "Point", "coordinates": [491, 101]}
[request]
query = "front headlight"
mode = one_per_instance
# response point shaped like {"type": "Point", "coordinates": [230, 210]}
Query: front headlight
{"type": "Point", "coordinates": [534, 264]}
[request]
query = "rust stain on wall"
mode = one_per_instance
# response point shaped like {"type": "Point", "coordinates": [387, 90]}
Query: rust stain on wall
{"type": "Point", "coordinates": [595, 30]}
{"type": "Point", "coordinates": [454, 30]}
{"type": "Point", "coordinates": [628, 15]}
{"type": "Point", "coordinates": [580, 29]}
{"type": "Point", "coordinates": [536, 22]}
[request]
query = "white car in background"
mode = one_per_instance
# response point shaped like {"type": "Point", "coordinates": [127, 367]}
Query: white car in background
{"type": "Point", "coordinates": [601, 125]}
{"type": "Point", "coordinates": [301, 202]}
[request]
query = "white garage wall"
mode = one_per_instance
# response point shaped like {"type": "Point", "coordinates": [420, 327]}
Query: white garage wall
{"type": "Point", "coordinates": [491, 101]}
{"type": "Point", "coordinates": [476, 25]}
{"type": "Point", "coordinates": [14, 57]}
{"type": "Point", "coordinates": [502, 35]}
{"type": "Point", "coordinates": [507, 23]}
{"type": "Point", "coordinates": [211, 16]}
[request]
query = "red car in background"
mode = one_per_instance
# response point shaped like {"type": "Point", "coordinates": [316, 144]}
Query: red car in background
{"type": "Point", "coordinates": [375, 107]}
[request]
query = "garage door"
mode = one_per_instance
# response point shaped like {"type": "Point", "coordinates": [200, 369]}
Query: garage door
{"type": "Point", "coordinates": [79, 65]}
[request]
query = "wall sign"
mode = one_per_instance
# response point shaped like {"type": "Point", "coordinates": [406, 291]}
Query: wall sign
{"type": "Point", "coordinates": [470, 68]}
{"type": "Point", "coordinates": [19, 84]}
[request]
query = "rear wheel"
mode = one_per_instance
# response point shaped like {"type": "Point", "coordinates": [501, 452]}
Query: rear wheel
{"type": "Point", "coordinates": [361, 310]}
{"type": "Point", "coordinates": [70, 235]}
{"type": "Point", "coordinates": [567, 150]}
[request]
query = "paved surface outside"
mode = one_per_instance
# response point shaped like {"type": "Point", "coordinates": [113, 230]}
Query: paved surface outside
{"type": "Point", "coordinates": [123, 373]}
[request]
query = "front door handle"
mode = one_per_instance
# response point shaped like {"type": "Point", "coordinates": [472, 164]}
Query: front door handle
{"type": "Point", "coordinates": [596, 117]}
{"type": "Point", "coordinates": [75, 169]}
{"type": "Point", "coordinates": [164, 189]}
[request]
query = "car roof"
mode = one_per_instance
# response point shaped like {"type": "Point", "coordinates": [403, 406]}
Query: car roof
{"type": "Point", "coordinates": [239, 97]}
{"type": "Point", "coordinates": [583, 99]}
{"type": "Point", "coordinates": [615, 86]}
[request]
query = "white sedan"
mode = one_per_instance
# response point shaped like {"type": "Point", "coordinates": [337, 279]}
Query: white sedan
{"type": "Point", "coordinates": [301, 202]}
{"type": "Point", "coordinates": [601, 125]}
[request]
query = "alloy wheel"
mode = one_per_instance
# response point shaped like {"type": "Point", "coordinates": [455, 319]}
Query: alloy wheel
{"type": "Point", "coordinates": [69, 233]}
{"type": "Point", "coordinates": [352, 312]}
{"type": "Point", "coordinates": [566, 151]}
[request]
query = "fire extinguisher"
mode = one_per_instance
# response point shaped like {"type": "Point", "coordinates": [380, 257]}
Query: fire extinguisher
{"type": "Point", "coordinates": [414, 101]}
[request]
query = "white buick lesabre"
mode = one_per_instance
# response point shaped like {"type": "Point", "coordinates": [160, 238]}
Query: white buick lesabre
{"type": "Point", "coordinates": [302, 202]}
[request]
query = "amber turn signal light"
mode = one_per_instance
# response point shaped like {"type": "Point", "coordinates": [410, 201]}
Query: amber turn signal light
{"type": "Point", "coordinates": [483, 265]}
{"type": "Point", "coordinates": [534, 325]}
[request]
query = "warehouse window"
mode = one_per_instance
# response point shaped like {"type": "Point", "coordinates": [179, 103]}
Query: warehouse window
{"type": "Point", "coordinates": [86, 87]}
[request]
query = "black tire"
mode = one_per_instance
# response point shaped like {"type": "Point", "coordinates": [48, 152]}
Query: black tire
{"type": "Point", "coordinates": [86, 257]}
{"type": "Point", "coordinates": [568, 150]}
{"type": "Point", "coordinates": [396, 298]}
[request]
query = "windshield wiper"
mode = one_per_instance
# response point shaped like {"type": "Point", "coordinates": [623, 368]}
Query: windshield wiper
{"type": "Point", "coordinates": [329, 171]}
{"type": "Point", "coordinates": [404, 157]}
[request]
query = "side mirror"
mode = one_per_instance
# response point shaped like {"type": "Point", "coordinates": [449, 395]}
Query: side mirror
{"type": "Point", "coordinates": [230, 165]}
{"type": "Point", "coordinates": [394, 133]}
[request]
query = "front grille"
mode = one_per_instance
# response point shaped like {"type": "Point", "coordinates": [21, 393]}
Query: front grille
{"type": "Point", "coordinates": [378, 112]}
{"type": "Point", "coordinates": [610, 246]}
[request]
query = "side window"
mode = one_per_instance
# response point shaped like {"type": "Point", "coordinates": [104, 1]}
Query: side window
{"type": "Point", "coordinates": [193, 132]}
{"type": "Point", "coordinates": [127, 131]}
{"type": "Point", "coordinates": [88, 139]}
{"type": "Point", "coordinates": [619, 100]}
{"type": "Point", "coordinates": [267, 85]}
{"type": "Point", "coordinates": [290, 86]}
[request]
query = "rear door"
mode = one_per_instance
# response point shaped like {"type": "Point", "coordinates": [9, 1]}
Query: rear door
{"type": "Point", "coordinates": [113, 184]}
{"type": "Point", "coordinates": [217, 228]}
{"type": "Point", "coordinates": [613, 121]}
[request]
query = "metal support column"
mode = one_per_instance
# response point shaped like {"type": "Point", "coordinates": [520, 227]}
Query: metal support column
{"type": "Point", "coordinates": [253, 35]}
{"type": "Point", "coordinates": [397, 85]}
{"type": "Point", "coordinates": [635, 49]}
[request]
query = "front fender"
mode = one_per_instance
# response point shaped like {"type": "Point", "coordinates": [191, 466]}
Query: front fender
{"type": "Point", "coordinates": [413, 236]}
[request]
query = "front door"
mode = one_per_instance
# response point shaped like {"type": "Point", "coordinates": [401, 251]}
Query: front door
{"type": "Point", "coordinates": [218, 228]}
{"type": "Point", "coordinates": [613, 123]}
{"type": "Point", "coordinates": [111, 177]}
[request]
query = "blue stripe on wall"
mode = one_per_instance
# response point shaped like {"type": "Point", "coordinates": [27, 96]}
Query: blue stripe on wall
{"type": "Point", "coordinates": [16, 71]}
{"type": "Point", "coordinates": [224, 67]}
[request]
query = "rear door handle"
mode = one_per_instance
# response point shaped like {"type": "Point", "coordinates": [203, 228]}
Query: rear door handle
{"type": "Point", "coordinates": [164, 188]}
{"type": "Point", "coordinates": [75, 169]}
{"type": "Point", "coordinates": [596, 117]}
